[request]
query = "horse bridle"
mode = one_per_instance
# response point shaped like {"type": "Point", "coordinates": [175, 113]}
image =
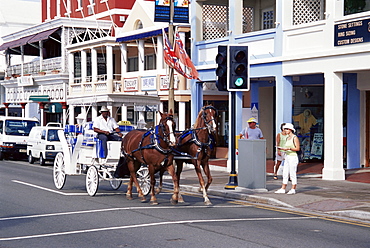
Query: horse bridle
{"type": "Point", "coordinates": [204, 116]}
{"type": "Point", "coordinates": [166, 135]}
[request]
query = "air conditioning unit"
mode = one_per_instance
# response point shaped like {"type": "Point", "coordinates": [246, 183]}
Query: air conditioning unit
{"type": "Point", "coordinates": [122, 18]}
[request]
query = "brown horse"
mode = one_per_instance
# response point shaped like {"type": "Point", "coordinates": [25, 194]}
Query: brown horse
{"type": "Point", "coordinates": [152, 148]}
{"type": "Point", "coordinates": [197, 144]}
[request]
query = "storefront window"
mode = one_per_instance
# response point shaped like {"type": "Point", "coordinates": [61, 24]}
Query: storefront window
{"type": "Point", "coordinates": [308, 117]}
{"type": "Point", "coordinates": [356, 6]}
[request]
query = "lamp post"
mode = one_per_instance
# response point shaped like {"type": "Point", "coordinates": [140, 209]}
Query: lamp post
{"type": "Point", "coordinates": [171, 93]}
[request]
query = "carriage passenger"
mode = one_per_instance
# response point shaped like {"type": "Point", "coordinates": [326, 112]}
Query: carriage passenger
{"type": "Point", "coordinates": [107, 128]}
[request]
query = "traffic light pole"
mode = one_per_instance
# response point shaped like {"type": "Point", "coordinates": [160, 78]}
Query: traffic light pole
{"type": "Point", "coordinates": [233, 179]}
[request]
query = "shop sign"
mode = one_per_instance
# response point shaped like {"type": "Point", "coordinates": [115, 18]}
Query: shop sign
{"type": "Point", "coordinates": [164, 82]}
{"type": "Point", "coordinates": [148, 83]}
{"type": "Point", "coordinates": [352, 32]}
{"type": "Point", "coordinates": [130, 84]}
{"type": "Point", "coordinates": [25, 81]}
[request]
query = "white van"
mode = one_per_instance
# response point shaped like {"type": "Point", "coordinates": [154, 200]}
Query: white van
{"type": "Point", "coordinates": [43, 143]}
{"type": "Point", "coordinates": [14, 134]}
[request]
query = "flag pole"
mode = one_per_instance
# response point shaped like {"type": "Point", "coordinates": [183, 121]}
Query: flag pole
{"type": "Point", "coordinates": [171, 93]}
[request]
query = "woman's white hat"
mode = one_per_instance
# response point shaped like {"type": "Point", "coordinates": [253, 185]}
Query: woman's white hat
{"type": "Point", "coordinates": [104, 109]}
{"type": "Point", "coordinates": [289, 126]}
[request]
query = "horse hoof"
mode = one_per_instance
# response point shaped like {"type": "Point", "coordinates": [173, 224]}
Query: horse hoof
{"type": "Point", "coordinates": [174, 202]}
{"type": "Point", "coordinates": [181, 201]}
{"type": "Point", "coordinates": [129, 197]}
{"type": "Point", "coordinates": [143, 199]}
{"type": "Point", "coordinates": [208, 203]}
{"type": "Point", "coordinates": [153, 203]}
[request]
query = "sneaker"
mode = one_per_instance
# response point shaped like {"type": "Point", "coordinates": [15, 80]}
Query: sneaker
{"type": "Point", "coordinates": [291, 192]}
{"type": "Point", "coordinates": [280, 191]}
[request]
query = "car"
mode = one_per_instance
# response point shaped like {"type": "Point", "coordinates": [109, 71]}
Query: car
{"type": "Point", "coordinates": [43, 143]}
{"type": "Point", "coordinates": [14, 134]}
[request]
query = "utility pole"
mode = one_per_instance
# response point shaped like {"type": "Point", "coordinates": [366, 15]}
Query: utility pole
{"type": "Point", "coordinates": [171, 93]}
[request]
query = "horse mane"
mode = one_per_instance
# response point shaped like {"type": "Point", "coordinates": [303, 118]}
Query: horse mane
{"type": "Point", "coordinates": [199, 121]}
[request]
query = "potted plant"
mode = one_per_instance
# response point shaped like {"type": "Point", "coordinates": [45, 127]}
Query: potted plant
{"type": "Point", "coordinates": [42, 72]}
{"type": "Point", "coordinates": [55, 71]}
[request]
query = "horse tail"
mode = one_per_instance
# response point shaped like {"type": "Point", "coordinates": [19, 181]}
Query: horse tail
{"type": "Point", "coordinates": [122, 168]}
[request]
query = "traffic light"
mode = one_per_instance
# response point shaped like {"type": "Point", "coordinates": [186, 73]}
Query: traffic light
{"type": "Point", "coordinates": [221, 71]}
{"type": "Point", "coordinates": [238, 76]}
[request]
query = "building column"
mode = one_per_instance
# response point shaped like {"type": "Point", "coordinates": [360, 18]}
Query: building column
{"type": "Point", "coordinates": [41, 54]}
{"type": "Point", "coordinates": [182, 116]}
{"type": "Point", "coordinates": [41, 105]}
{"type": "Point", "coordinates": [124, 112]}
{"type": "Point", "coordinates": [141, 55]}
{"type": "Point", "coordinates": [333, 126]}
{"type": "Point", "coordinates": [23, 105]}
{"type": "Point", "coordinates": [71, 115]}
{"type": "Point", "coordinates": [94, 112]}
{"type": "Point", "coordinates": [284, 98]}
{"type": "Point", "coordinates": [83, 66]}
{"type": "Point", "coordinates": [94, 65]}
{"type": "Point", "coordinates": [6, 104]}
{"type": "Point", "coordinates": [160, 61]}
{"type": "Point", "coordinates": [71, 68]}
{"type": "Point", "coordinates": [109, 51]}
{"type": "Point", "coordinates": [64, 114]}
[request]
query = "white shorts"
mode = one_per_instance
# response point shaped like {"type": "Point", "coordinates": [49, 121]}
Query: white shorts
{"type": "Point", "coordinates": [280, 158]}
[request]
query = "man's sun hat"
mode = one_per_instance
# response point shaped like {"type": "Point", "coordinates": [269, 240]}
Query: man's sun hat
{"type": "Point", "coordinates": [104, 109]}
{"type": "Point", "coordinates": [289, 126]}
{"type": "Point", "coordinates": [252, 120]}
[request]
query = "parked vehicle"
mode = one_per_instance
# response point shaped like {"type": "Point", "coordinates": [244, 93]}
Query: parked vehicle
{"type": "Point", "coordinates": [43, 143]}
{"type": "Point", "coordinates": [14, 134]}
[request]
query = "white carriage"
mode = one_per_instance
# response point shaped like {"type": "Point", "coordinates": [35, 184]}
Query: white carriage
{"type": "Point", "coordinates": [82, 154]}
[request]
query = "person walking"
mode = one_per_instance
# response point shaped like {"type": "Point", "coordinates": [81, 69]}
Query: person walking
{"type": "Point", "coordinates": [104, 126]}
{"type": "Point", "coordinates": [280, 154]}
{"type": "Point", "coordinates": [252, 132]}
{"type": "Point", "coordinates": [291, 148]}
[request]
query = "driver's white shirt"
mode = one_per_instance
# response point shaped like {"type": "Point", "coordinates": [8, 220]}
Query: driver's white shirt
{"type": "Point", "coordinates": [106, 125]}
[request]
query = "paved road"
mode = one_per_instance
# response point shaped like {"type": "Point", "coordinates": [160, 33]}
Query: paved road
{"type": "Point", "coordinates": [34, 214]}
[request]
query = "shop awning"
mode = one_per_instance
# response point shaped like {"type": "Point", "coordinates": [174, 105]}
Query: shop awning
{"type": "Point", "coordinates": [140, 34]}
{"type": "Point", "coordinates": [40, 98]}
{"type": "Point", "coordinates": [28, 39]}
{"type": "Point", "coordinates": [16, 43]}
{"type": "Point", "coordinates": [42, 36]}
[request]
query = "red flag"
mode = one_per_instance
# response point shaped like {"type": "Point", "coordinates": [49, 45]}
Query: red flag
{"type": "Point", "coordinates": [169, 55]}
{"type": "Point", "coordinates": [184, 58]}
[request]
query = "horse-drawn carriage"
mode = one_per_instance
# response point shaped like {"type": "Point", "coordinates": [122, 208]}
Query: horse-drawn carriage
{"type": "Point", "coordinates": [83, 154]}
{"type": "Point", "coordinates": [157, 149]}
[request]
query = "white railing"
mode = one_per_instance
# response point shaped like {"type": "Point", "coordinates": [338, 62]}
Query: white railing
{"type": "Point", "coordinates": [34, 66]}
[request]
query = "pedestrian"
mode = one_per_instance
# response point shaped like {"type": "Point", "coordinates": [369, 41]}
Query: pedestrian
{"type": "Point", "coordinates": [105, 126]}
{"type": "Point", "coordinates": [251, 132]}
{"type": "Point", "coordinates": [291, 148]}
{"type": "Point", "coordinates": [280, 154]}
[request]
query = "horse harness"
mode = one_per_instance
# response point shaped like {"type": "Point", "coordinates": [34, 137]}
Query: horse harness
{"type": "Point", "coordinates": [202, 146]}
{"type": "Point", "coordinates": [155, 139]}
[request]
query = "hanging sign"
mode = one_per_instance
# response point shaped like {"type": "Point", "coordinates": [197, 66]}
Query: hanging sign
{"type": "Point", "coordinates": [354, 32]}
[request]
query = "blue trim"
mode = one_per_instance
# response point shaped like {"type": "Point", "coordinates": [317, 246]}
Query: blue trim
{"type": "Point", "coordinates": [141, 35]}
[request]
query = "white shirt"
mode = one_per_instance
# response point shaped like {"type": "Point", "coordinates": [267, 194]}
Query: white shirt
{"type": "Point", "coordinates": [105, 125]}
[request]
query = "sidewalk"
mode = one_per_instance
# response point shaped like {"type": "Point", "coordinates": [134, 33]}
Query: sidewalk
{"type": "Point", "coordinates": [349, 198]}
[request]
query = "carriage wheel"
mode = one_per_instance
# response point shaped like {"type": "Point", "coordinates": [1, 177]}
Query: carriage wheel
{"type": "Point", "coordinates": [144, 179]}
{"type": "Point", "coordinates": [92, 180]}
{"type": "Point", "coordinates": [115, 184]}
{"type": "Point", "coordinates": [59, 173]}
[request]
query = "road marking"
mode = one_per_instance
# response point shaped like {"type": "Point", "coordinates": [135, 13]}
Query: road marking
{"type": "Point", "coordinates": [111, 209]}
{"type": "Point", "coordinates": [148, 225]}
{"type": "Point", "coordinates": [47, 189]}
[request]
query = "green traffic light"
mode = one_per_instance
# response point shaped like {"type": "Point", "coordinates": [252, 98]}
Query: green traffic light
{"type": "Point", "coordinates": [239, 82]}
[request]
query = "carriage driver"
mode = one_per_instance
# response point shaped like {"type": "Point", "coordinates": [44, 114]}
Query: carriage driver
{"type": "Point", "coordinates": [105, 126]}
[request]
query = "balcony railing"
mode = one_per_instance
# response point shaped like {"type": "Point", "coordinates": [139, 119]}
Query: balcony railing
{"type": "Point", "coordinates": [34, 66]}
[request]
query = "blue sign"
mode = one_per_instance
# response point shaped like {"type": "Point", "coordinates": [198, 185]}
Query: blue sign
{"type": "Point", "coordinates": [352, 32]}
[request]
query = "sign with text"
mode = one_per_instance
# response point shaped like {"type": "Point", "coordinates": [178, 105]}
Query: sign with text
{"type": "Point", "coordinates": [352, 32]}
{"type": "Point", "coordinates": [148, 83]}
{"type": "Point", "coordinates": [164, 82]}
{"type": "Point", "coordinates": [130, 84]}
